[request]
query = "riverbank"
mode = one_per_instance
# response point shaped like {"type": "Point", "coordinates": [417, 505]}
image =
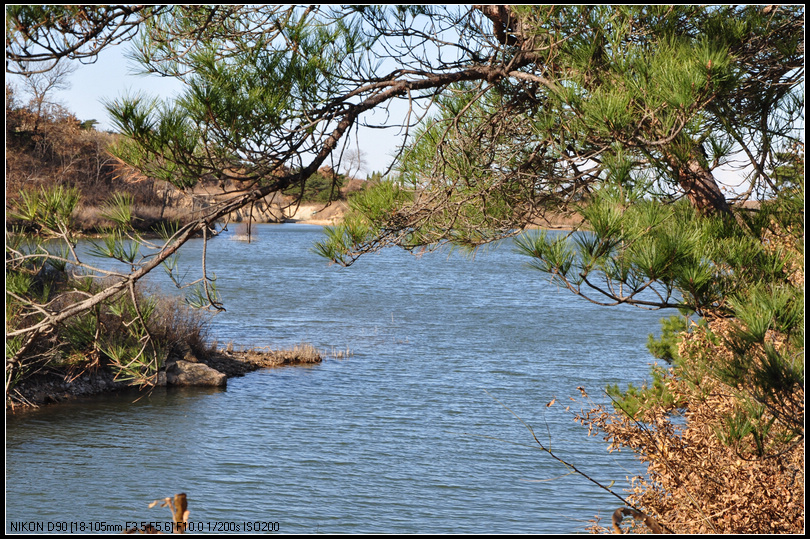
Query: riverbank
{"type": "Point", "coordinates": [183, 368]}
{"type": "Point", "coordinates": [318, 214]}
{"type": "Point", "coordinates": [331, 215]}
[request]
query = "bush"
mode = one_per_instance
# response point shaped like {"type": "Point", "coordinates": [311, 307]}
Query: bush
{"type": "Point", "coordinates": [119, 328]}
{"type": "Point", "coordinates": [727, 465]}
{"type": "Point", "coordinates": [722, 429]}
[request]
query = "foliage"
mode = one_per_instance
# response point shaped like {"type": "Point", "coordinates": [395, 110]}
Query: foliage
{"type": "Point", "coordinates": [627, 126]}
{"type": "Point", "coordinates": [735, 462]}
{"type": "Point", "coordinates": [55, 169]}
{"type": "Point", "coordinates": [535, 106]}
{"type": "Point", "coordinates": [322, 187]}
{"type": "Point", "coordinates": [247, 110]}
{"type": "Point", "coordinates": [728, 466]}
{"type": "Point", "coordinates": [648, 100]}
{"type": "Point", "coordinates": [635, 401]}
{"type": "Point", "coordinates": [49, 210]}
{"type": "Point", "coordinates": [363, 220]}
{"type": "Point", "coordinates": [722, 429]}
{"type": "Point", "coordinates": [666, 347]}
{"type": "Point", "coordinates": [652, 255]}
{"type": "Point", "coordinates": [120, 329]}
{"type": "Point", "coordinates": [38, 35]}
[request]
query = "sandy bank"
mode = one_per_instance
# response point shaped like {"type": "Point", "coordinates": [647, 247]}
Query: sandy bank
{"type": "Point", "coordinates": [317, 214]}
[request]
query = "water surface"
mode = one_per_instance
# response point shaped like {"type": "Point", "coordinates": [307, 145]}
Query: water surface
{"type": "Point", "coordinates": [415, 432]}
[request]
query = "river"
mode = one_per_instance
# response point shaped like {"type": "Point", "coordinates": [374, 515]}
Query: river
{"type": "Point", "coordinates": [415, 431]}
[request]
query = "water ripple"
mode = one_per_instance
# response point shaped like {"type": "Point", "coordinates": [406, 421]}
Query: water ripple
{"type": "Point", "coordinates": [405, 436]}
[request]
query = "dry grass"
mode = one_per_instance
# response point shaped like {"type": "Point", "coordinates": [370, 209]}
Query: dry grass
{"type": "Point", "coordinates": [341, 354]}
{"type": "Point", "coordinates": [176, 322]}
{"type": "Point", "coordinates": [239, 361]}
{"type": "Point", "coordinates": [253, 358]}
{"type": "Point", "coordinates": [556, 220]}
{"type": "Point", "coordinates": [297, 355]}
{"type": "Point", "coordinates": [305, 353]}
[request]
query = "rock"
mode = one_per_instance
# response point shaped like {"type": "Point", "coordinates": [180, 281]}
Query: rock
{"type": "Point", "coordinates": [182, 351]}
{"type": "Point", "coordinates": [185, 373]}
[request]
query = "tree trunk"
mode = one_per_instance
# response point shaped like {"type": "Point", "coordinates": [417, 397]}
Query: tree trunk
{"type": "Point", "coordinates": [699, 185]}
{"type": "Point", "coordinates": [702, 189]}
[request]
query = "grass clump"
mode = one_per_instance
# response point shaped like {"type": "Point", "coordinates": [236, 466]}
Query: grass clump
{"type": "Point", "coordinates": [297, 355]}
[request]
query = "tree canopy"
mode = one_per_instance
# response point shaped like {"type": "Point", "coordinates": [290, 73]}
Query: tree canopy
{"type": "Point", "coordinates": [651, 100]}
{"type": "Point", "coordinates": [545, 101]}
{"type": "Point", "coordinates": [38, 37]}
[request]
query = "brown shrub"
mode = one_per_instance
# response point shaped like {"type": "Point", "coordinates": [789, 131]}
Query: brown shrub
{"type": "Point", "coordinates": [698, 480]}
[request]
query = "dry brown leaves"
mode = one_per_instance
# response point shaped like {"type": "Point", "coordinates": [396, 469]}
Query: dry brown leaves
{"type": "Point", "coordinates": [695, 483]}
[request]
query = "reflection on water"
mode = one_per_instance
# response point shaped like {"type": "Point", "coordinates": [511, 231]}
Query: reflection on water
{"type": "Point", "coordinates": [404, 436]}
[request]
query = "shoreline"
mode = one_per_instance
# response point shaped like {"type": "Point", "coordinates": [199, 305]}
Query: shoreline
{"type": "Point", "coordinates": [332, 215]}
{"type": "Point", "coordinates": [61, 386]}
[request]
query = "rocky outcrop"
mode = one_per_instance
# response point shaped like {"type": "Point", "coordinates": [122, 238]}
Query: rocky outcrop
{"type": "Point", "coordinates": [183, 368]}
{"type": "Point", "coordinates": [186, 373]}
{"type": "Point", "coordinates": [52, 387]}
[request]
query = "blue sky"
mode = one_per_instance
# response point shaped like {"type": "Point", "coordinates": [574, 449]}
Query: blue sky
{"type": "Point", "coordinates": [113, 75]}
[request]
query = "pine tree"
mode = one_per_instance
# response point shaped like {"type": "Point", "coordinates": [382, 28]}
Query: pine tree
{"type": "Point", "coordinates": [622, 113]}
